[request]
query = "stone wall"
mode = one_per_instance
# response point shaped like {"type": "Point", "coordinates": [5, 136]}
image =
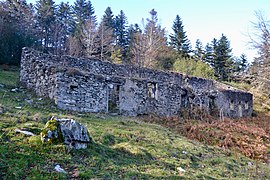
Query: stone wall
{"type": "Point", "coordinates": [234, 103]}
{"type": "Point", "coordinates": [38, 72]}
{"type": "Point", "coordinates": [91, 85]}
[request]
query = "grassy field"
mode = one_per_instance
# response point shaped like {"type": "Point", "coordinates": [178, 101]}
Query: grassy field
{"type": "Point", "coordinates": [123, 148]}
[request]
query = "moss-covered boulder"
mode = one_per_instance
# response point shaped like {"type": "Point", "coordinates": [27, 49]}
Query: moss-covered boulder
{"type": "Point", "coordinates": [51, 133]}
{"type": "Point", "coordinates": [67, 131]}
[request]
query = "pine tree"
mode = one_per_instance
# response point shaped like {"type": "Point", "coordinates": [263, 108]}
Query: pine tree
{"type": "Point", "coordinates": [222, 60]}
{"type": "Point", "coordinates": [62, 29]}
{"type": "Point", "coordinates": [198, 52]}
{"type": "Point", "coordinates": [82, 11]}
{"type": "Point", "coordinates": [17, 30]}
{"type": "Point", "coordinates": [82, 41]}
{"type": "Point", "coordinates": [106, 35]}
{"type": "Point", "coordinates": [179, 40]}
{"type": "Point", "coordinates": [121, 34]}
{"type": "Point", "coordinates": [213, 56]}
{"type": "Point", "coordinates": [135, 37]}
{"type": "Point", "coordinates": [208, 55]}
{"type": "Point", "coordinates": [240, 63]}
{"type": "Point", "coordinates": [243, 62]}
{"type": "Point", "coordinates": [108, 18]}
{"type": "Point", "coordinates": [46, 18]}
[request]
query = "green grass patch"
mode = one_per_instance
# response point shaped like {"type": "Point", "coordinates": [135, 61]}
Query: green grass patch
{"type": "Point", "coordinates": [9, 78]}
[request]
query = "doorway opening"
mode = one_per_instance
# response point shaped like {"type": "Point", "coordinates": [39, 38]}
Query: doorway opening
{"type": "Point", "coordinates": [113, 98]}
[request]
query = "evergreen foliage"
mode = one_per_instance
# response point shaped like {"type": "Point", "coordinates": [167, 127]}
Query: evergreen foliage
{"type": "Point", "coordinates": [106, 35]}
{"type": "Point", "coordinates": [120, 30]}
{"type": "Point", "coordinates": [81, 42]}
{"type": "Point", "coordinates": [16, 30]}
{"type": "Point", "coordinates": [62, 28]}
{"type": "Point", "coordinates": [218, 56]}
{"type": "Point", "coordinates": [45, 17]}
{"type": "Point", "coordinates": [241, 63]}
{"type": "Point", "coordinates": [223, 61]}
{"type": "Point", "coordinates": [134, 32]}
{"type": "Point", "coordinates": [74, 30]}
{"type": "Point", "coordinates": [82, 11]}
{"type": "Point", "coordinates": [179, 40]}
{"type": "Point", "coordinates": [199, 52]}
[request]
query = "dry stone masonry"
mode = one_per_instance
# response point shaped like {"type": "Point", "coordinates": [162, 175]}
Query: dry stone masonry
{"type": "Point", "coordinates": [91, 85]}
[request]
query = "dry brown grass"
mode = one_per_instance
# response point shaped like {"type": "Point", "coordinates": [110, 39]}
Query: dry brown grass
{"type": "Point", "coordinates": [249, 136]}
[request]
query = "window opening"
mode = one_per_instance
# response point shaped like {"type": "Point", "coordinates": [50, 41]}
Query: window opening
{"type": "Point", "coordinates": [211, 103]}
{"type": "Point", "coordinates": [240, 111]}
{"type": "Point", "coordinates": [246, 105]}
{"type": "Point", "coordinates": [73, 87]}
{"type": "Point", "coordinates": [152, 90]}
{"type": "Point", "coordinates": [184, 100]}
{"type": "Point", "coordinates": [231, 105]}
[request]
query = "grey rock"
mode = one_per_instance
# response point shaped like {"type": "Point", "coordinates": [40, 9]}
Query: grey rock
{"type": "Point", "coordinates": [75, 134]}
{"type": "Point", "coordinates": [68, 131]}
{"type": "Point", "coordinates": [59, 169]}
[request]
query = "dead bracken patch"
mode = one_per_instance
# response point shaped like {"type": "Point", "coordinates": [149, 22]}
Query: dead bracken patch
{"type": "Point", "coordinates": [249, 136]}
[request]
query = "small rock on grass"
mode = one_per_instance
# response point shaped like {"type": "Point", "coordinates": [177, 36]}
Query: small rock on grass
{"type": "Point", "coordinates": [179, 169]}
{"type": "Point", "coordinates": [25, 132]}
{"type": "Point", "coordinates": [59, 169]}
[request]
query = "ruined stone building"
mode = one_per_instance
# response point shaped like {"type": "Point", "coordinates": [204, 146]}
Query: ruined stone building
{"type": "Point", "coordinates": [91, 85]}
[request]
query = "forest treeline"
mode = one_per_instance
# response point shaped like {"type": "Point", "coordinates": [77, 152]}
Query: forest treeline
{"type": "Point", "coordinates": [64, 29]}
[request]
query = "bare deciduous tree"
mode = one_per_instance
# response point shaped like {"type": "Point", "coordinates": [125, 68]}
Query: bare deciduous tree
{"type": "Point", "coordinates": [260, 38]}
{"type": "Point", "coordinates": [89, 38]}
{"type": "Point", "coordinates": [147, 46]}
{"type": "Point", "coordinates": [105, 41]}
{"type": "Point", "coordinates": [74, 47]}
{"type": "Point", "coordinates": [138, 49]}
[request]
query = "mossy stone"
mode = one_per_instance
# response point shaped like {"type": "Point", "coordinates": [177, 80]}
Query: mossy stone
{"type": "Point", "coordinates": [51, 132]}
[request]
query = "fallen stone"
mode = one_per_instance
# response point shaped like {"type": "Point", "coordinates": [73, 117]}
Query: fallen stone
{"type": "Point", "coordinates": [14, 90]}
{"type": "Point", "coordinates": [250, 164]}
{"type": "Point", "coordinates": [184, 152]}
{"type": "Point", "coordinates": [181, 170]}
{"type": "Point", "coordinates": [25, 132]}
{"type": "Point", "coordinates": [29, 101]}
{"type": "Point", "coordinates": [59, 169]}
{"type": "Point", "coordinates": [67, 131]}
{"type": "Point", "coordinates": [2, 85]}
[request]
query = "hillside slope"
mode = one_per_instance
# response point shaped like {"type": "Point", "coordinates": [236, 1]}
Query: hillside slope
{"type": "Point", "coordinates": [124, 147]}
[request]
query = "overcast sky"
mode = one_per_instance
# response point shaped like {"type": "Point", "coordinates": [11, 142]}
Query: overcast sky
{"type": "Point", "coordinates": [202, 19]}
